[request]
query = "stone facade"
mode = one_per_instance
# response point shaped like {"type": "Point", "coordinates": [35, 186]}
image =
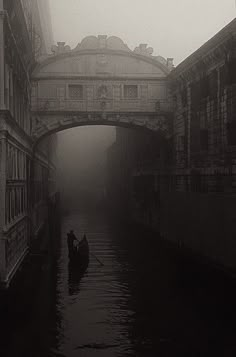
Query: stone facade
{"type": "Point", "coordinates": [205, 101]}
{"type": "Point", "coordinates": [198, 205]}
{"type": "Point", "coordinates": [101, 81]}
{"type": "Point", "coordinates": [21, 214]}
{"type": "Point", "coordinates": [195, 183]}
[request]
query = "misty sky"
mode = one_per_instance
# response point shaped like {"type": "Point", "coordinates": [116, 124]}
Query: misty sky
{"type": "Point", "coordinates": [174, 28]}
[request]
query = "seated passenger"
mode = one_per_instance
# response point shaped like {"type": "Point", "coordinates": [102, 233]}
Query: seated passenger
{"type": "Point", "coordinates": [71, 238]}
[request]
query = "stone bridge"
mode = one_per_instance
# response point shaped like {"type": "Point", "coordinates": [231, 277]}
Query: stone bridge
{"type": "Point", "coordinates": [101, 81]}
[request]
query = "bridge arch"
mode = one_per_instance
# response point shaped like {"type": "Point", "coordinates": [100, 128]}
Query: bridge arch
{"type": "Point", "coordinates": [101, 81]}
{"type": "Point", "coordinates": [57, 124]}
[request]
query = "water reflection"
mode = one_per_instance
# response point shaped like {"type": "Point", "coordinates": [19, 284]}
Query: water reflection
{"type": "Point", "coordinates": [75, 275]}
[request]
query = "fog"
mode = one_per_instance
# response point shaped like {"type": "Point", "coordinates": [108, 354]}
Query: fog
{"type": "Point", "coordinates": [82, 163]}
{"type": "Point", "coordinates": [174, 28]}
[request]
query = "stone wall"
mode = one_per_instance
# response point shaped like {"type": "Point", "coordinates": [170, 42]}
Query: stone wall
{"type": "Point", "coordinates": [204, 224]}
{"type": "Point", "coordinates": [19, 215]}
{"type": "Point", "coordinates": [204, 93]}
{"type": "Point", "coordinates": [198, 201]}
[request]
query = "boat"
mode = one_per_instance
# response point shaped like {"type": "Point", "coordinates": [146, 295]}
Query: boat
{"type": "Point", "coordinates": [79, 256]}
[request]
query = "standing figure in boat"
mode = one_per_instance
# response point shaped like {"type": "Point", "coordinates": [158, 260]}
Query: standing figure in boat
{"type": "Point", "coordinates": [71, 240]}
{"type": "Point", "coordinates": [84, 248]}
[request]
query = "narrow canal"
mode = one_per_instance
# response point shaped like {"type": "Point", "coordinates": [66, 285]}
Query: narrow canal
{"type": "Point", "coordinates": [142, 302]}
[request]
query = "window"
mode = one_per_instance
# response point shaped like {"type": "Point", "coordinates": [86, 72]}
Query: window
{"type": "Point", "coordinates": [75, 91]}
{"type": "Point", "coordinates": [181, 143]}
{"type": "Point", "coordinates": [131, 92]}
{"type": "Point", "coordinates": [213, 83]}
{"type": "Point", "coordinates": [231, 126]}
{"type": "Point", "coordinates": [204, 87]}
{"type": "Point", "coordinates": [195, 94]}
{"type": "Point", "coordinates": [231, 70]}
{"type": "Point", "coordinates": [204, 139]}
{"type": "Point", "coordinates": [184, 97]}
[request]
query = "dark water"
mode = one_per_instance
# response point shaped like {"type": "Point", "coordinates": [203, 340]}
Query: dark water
{"type": "Point", "coordinates": [144, 301]}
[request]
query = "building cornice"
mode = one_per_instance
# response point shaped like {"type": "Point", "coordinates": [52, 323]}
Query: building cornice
{"type": "Point", "coordinates": [222, 45]}
{"type": "Point", "coordinates": [97, 77]}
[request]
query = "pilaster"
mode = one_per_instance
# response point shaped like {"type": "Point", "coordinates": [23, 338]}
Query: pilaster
{"type": "Point", "coordinates": [188, 131]}
{"type": "Point", "coordinates": [2, 54]}
{"type": "Point", "coordinates": [3, 152]}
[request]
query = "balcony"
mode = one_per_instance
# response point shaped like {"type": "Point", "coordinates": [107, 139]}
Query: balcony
{"type": "Point", "coordinates": [13, 249]}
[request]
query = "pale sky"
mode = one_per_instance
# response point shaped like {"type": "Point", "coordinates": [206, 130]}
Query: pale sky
{"type": "Point", "coordinates": [174, 28]}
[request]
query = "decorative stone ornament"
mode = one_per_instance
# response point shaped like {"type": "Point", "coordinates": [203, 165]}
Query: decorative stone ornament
{"type": "Point", "coordinates": [102, 92]}
{"type": "Point", "coordinates": [103, 105]}
{"type": "Point", "coordinates": [42, 126]}
{"type": "Point", "coordinates": [60, 48]}
{"type": "Point", "coordinates": [144, 50]}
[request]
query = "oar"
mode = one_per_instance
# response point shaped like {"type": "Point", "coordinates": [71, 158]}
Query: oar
{"type": "Point", "coordinates": [99, 261]}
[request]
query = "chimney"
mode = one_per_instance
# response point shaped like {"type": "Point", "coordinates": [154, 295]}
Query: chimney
{"type": "Point", "coordinates": [170, 63]}
{"type": "Point", "coordinates": [143, 47]}
{"type": "Point", "coordinates": [61, 47]}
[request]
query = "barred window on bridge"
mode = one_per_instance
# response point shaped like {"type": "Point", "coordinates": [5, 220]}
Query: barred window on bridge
{"type": "Point", "coordinates": [130, 91]}
{"type": "Point", "coordinates": [75, 91]}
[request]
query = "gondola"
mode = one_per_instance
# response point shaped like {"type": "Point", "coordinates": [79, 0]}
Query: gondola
{"type": "Point", "coordinates": [79, 256]}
